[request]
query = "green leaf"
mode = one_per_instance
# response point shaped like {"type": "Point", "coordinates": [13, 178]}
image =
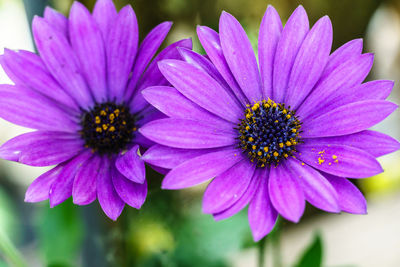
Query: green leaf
{"type": "Point", "coordinates": [312, 256]}
{"type": "Point", "coordinates": [60, 233]}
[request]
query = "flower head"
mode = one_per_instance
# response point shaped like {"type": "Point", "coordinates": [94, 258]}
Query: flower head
{"type": "Point", "coordinates": [82, 94]}
{"type": "Point", "coordinates": [276, 134]}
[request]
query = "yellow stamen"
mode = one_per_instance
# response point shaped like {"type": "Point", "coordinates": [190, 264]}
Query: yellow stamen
{"type": "Point", "coordinates": [97, 120]}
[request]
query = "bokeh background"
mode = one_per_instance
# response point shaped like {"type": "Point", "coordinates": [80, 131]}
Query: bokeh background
{"type": "Point", "coordinates": [170, 229]}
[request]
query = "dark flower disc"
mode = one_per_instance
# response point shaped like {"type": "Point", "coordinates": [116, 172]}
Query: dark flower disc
{"type": "Point", "coordinates": [269, 132]}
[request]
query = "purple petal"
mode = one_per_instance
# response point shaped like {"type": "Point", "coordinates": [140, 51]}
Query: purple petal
{"type": "Point", "coordinates": [131, 193]}
{"type": "Point", "coordinates": [19, 66]}
{"type": "Point", "coordinates": [109, 200]}
{"type": "Point", "coordinates": [56, 20]}
{"type": "Point", "coordinates": [342, 54]}
{"type": "Point", "coordinates": [105, 14]}
{"type": "Point", "coordinates": [258, 177]}
{"type": "Point", "coordinates": [225, 189]}
{"type": "Point", "coordinates": [13, 148]}
{"type": "Point", "coordinates": [375, 143]}
{"type": "Point", "coordinates": [147, 50]}
{"type": "Point", "coordinates": [182, 133]}
{"type": "Point", "coordinates": [152, 76]}
{"type": "Point", "coordinates": [339, 160]}
{"type": "Point", "coordinates": [88, 45]}
{"type": "Point", "coordinates": [351, 73]}
{"type": "Point", "coordinates": [351, 200]}
{"type": "Point", "coordinates": [27, 108]}
{"type": "Point", "coordinates": [132, 166]}
{"type": "Point", "coordinates": [121, 47]}
{"type": "Point", "coordinates": [84, 189]}
{"type": "Point", "coordinates": [347, 119]}
{"type": "Point", "coordinates": [40, 188]}
{"type": "Point", "coordinates": [173, 104]}
{"type": "Point", "coordinates": [61, 61]}
{"type": "Point", "coordinates": [317, 190]}
{"type": "Point", "coordinates": [268, 38]}
{"type": "Point", "coordinates": [289, 44]}
{"type": "Point", "coordinates": [240, 57]}
{"type": "Point", "coordinates": [199, 87]}
{"type": "Point", "coordinates": [61, 189]}
{"type": "Point", "coordinates": [286, 193]}
{"type": "Point", "coordinates": [262, 215]}
{"type": "Point", "coordinates": [310, 62]}
{"type": "Point", "coordinates": [211, 43]}
{"type": "Point", "coordinates": [201, 168]}
{"type": "Point", "coordinates": [169, 157]}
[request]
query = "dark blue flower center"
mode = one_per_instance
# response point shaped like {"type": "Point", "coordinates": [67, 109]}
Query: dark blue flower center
{"type": "Point", "coordinates": [107, 128]}
{"type": "Point", "coordinates": [269, 133]}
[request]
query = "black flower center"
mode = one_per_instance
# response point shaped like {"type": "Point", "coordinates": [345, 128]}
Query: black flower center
{"type": "Point", "coordinates": [107, 128]}
{"type": "Point", "coordinates": [269, 132]}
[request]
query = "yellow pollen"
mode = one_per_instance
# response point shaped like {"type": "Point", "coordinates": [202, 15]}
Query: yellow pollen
{"type": "Point", "coordinates": [334, 156]}
{"type": "Point", "coordinates": [98, 129]}
{"type": "Point", "coordinates": [251, 139]}
{"type": "Point", "coordinates": [274, 105]}
{"type": "Point", "coordinates": [294, 130]}
{"type": "Point", "coordinates": [285, 155]}
{"type": "Point", "coordinates": [97, 120]}
{"type": "Point", "coordinates": [259, 153]}
{"type": "Point", "coordinates": [247, 128]}
{"type": "Point", "coordinates": [336, 161]}
{"type": "Point", "coordinates": [105, 126]}
{"type": "Point", "coordinates": [124, 122]}
{"type": "Point", "coordinates": [321, 152]}
{"type": "Point", "coordinates": [320, 161]}
{"type": "Point", "coordinates": [266, 149]}
{"type": "Point", "coordinates": [288, 143]}
{"type": "Point", "coordinates": [248, 116]}
{"type": "Point", "coordinates": [134, 129]}
{"type": "Point", "coordinates": [116, 112]}
{"type": "Point", "coordinates": [288, 116]}
{"type": "Point", "coordinates": [280, 145]}
{"type": "Point", "coordinates": [254, 147]}
{"type": "Point", "coordinates": [284, 111]}
{"type": "Point", "coordinates": [302, 164]}
{"type": "Point", "coordinates": [276, 154]}
{"type": "Point", "coordinates": [103, 113]}
{"type": "Point", "coordinates": [276, 121]}
{"type": "Point", "coordinates": [111, 116]}
{"type": "Point", "coordinates": [112, 129]}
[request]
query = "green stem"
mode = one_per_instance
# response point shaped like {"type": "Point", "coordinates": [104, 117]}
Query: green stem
{"type": "Point", "coordinates": [276, 244]}
{"type": "Point", "coordinates": [10, 252]}
{"type": "Point", "coordinates": [261, 252]}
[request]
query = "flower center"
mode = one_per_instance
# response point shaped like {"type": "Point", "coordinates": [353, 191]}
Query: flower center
{"type": "Point", "coordinates": [269, 132]}
{"type": "Point", "coordinates": [107, 128]}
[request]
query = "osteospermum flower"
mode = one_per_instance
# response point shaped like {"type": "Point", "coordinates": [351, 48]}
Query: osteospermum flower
{"type": "Point", "coordinates": [82, 95]}
{"type": "Point", "coordinates": [273, 135]}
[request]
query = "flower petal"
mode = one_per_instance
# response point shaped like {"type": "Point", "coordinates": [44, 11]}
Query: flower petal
{"type": "Point", "coordinates": [40, 187]}
{"type": "Point", "coordinates": [310, 62]}
{"type": "Point", "coordinates": [200, 88]}
{"type": "Point", "coordinates": [286, 193]}
{"type": "Point", "coordinates": [172, 103]}
{"type": "Point", "coordinates": [225, 189]}
{"type": "Point", "coordinates": [170, 157]}
{"type": "Point", "coordinates": [258, 177]}
{"type": "Point", "coordinates": [147, 50]}
{"type": "Point", "coordinates": [348, 74]}
{"type": "Point", "coordinates": [61, 61]}
{"type": "Point", "coordinates": [339, 160]}
{"type": "Point", "coordinates": [201, 168]}
{"type": "Point", "coordinates": [61, 189]}
{"type": "Point", "coordinates": [133, 194]}
{"type": "Point", "coordinates": [375, 143]}
{"type": "Point", "coordinates": [121, 48]}
{"type": "Point", "coordinates": [88, 45]}
{"type": "Point", "coordinates": [210, 41]}
{"type": "Point", "coordinates": [289, 44]}
{"type": "Point", "coordinates": [56, 20]}
{"type": "Point", "coordinates": [348, 119]}
{"type": "Point", "coordinates": [28, 108]}
{"type": "Point", "coordinates": [182, 133]}
{"type": "Point", "coordinates": [351, 200]}
{"type": "Point", "coordinates": [317, 190]}
{"type": "Point", "coordinates": [19, 66]}
{"type": "Point", "coordinates": [131, 165]}
{"type": "Point", "coordinates": [84, 189]}
{"type": "Point", "coordinates": [109, 200]}
{"type": "Point", "coordinates": [240, 57]}
{"type": "Point", "coordinates": [262, 215]}
{"type": "Point", "coordinates": [268, 38]}
{"type": "Point", "coordinates": [105, 14]}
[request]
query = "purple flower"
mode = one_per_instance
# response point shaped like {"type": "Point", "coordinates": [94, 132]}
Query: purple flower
{"type": "Point", "coordinates": [273, 135]}
{"type": "Point", "coordinates": [82, 95]}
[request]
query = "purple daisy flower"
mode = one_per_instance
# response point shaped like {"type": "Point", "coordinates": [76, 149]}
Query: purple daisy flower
{"type": "Point", "coordinates": [82, 95]}
{"type": "Point", "coordinates": [276, 134]}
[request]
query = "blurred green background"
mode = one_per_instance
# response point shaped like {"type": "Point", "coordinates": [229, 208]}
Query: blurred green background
{"type": "Point", "coordinates": [170, 229]}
